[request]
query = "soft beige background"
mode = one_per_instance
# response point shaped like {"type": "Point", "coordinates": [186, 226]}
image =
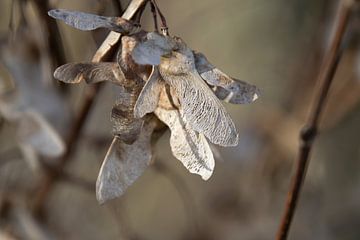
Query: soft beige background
{"type": "Point", "coordinates": [276, 45]}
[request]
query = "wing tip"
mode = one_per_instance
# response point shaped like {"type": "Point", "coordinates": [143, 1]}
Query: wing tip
{"type": "Point", "coordinates": [60, 75]}
{"type": "Point", "coordinates": [54, 13]}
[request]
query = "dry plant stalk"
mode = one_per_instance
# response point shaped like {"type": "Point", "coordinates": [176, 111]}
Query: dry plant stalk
{"type": "Point", "coordinates": [310, 131]}
{"type": "Point", "coordinates": [159, 78]}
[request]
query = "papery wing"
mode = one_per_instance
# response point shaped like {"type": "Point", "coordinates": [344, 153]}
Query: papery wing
{"type": "Point", "coordinates": [202, 110]}
{"type": "Point", "coordinates": [150, 51]}
{"type": "Point", "coordinates": [149, 95]}
{"type": "Point", "coordinates": [33, 130]}
{"type": "Point", "coordinates": [125, 125]}
{"type": "Point", "coordinates": [90, 73]}
{"type": "Point", "coordinates": [190, 147]}
{"type": "Point", "coordinates": [86, 21]}
{"type": "Point", "coordinates": [228, 89]}
{"type": "Point", "coordinates": [123, 164]}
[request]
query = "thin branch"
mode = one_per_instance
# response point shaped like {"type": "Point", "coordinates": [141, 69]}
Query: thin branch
{"type": "Point", "coordinates": [118, 210]}
{"type": "Point", "coordinates": [309, 132]}
{"type": "Point", "coordinates": [54, 43]}
{"type": "Point", "coordinates": [118, 6]}
{"type": "Point", "coordinates": [164, 27]}
{"type": "Point", "coordinates": [77, 181]}
{"type": "Point", "coordinates": [90, 95]}
{"type": "Point", "coordinates": [11, 21]}
{"type": "Point", "coordinates": [184, 193]}
{"type": "Point", "coordinates": [153, 11]}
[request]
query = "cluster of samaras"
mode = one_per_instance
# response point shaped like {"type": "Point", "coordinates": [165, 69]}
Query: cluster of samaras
{"type": "Point", "coordinates": [160, 78]}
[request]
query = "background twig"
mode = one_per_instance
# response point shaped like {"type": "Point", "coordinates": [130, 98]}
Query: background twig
{"type": "Point", "coordinates": [309, 132]}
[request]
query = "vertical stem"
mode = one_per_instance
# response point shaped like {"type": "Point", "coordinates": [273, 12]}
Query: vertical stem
{"type": "Point", "coordinates": [164, 27]}
{"type": "Point", "coordinates": [309, 132]}
{"type": "Point", "coordinates": [54, 41]}
{"type": "Point", "coordinates": [153, 11]}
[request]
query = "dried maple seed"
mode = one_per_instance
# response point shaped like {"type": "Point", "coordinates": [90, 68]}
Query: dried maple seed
{"type": "Point", "coordinates": [159, 77]}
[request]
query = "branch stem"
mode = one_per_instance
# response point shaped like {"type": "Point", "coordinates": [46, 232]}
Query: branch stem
{"type": "Point", "coordinates": [309, 131]}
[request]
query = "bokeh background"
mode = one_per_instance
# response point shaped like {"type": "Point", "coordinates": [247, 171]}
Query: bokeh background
{"type": "Point", "coordinates": [277, 45]}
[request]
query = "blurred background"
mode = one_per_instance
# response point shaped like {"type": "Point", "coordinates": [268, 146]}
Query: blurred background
{"type": "Point", "coordinates": [277, 45]}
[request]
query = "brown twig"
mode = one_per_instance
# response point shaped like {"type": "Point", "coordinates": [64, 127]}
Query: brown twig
{"type": "Point", "coordinates": [164, 27]}
{"type": "Point", "coordinates": [118, 6]}
{"type": "Point", "coordinates": [102, 53]}
{"type": "Point", "coordinates": [153, 11]}
{"type": "Point", "coordinates": [54, 42]}
{"type": "Point", "coordinates": [309, 132]}
{"type": "Point", "coordinates": [77, 181]}
{"type": "Point", "coordinates": [184, 193]}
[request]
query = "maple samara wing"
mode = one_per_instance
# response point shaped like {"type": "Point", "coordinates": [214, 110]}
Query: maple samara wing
{"type": "Point", "coordinates": [87, 21]}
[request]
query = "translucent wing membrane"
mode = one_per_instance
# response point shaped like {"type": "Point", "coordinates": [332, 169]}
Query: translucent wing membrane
{"type": "Point", "coordinates": [123, 164]}
{"type": "Point", "coordinates": [226, 88]}
{"type": "Point", "coordinates": [149, 96]}
{"type": "Point", "coordinates": [200, 107]}
{"type": "Point", "coordinates": [87, 21]}
{"type": "Point", "coordinates": [90, 73]}
{"type": "Point", "coordinates": [190, 147]}
{"type": "Point", "coordinates": [150, 51]}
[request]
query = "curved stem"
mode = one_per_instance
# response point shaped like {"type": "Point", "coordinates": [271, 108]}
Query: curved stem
{"type": "Point", "coordinates": [183, 191]}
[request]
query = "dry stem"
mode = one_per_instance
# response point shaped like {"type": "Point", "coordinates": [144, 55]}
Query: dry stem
{"type": "Point", "coordinates": [309, 131]}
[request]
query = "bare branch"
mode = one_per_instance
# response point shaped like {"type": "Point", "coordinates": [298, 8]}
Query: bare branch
{"type": "Point", "coordinates": [309, 132]}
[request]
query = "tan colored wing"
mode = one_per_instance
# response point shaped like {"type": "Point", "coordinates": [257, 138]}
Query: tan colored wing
{"type": "Point", "coordinates": [90, 73]}
{"type": "Point", "coordinates": [226, 88]}
{"type": "Point", "coordinates": [123, 164]}
{"type": "Point", "coordinates": [190, 147]}
{"type": "Point", "coordinates": [201, 109]}
{"type": "Point", "coordinates": [149, 95]}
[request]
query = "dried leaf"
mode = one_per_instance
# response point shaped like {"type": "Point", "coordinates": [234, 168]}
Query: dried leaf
{"type": "Point", "coordinates": [86, 21]}
{"type": "Point", "coordinates": [190, 147]}
{"type": "Point", "coordinates": [226, 88]}
{"type": "Point", "coordinates": [33, 130]}
{"type": "Point", "coordinates": [123, 164]}
{"type": "Point", "coordinates": [201, 109]}
{"type": "Point", "coordinates": [90, 72]}
{"type": "Point", "coordinates": [149, 96]}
